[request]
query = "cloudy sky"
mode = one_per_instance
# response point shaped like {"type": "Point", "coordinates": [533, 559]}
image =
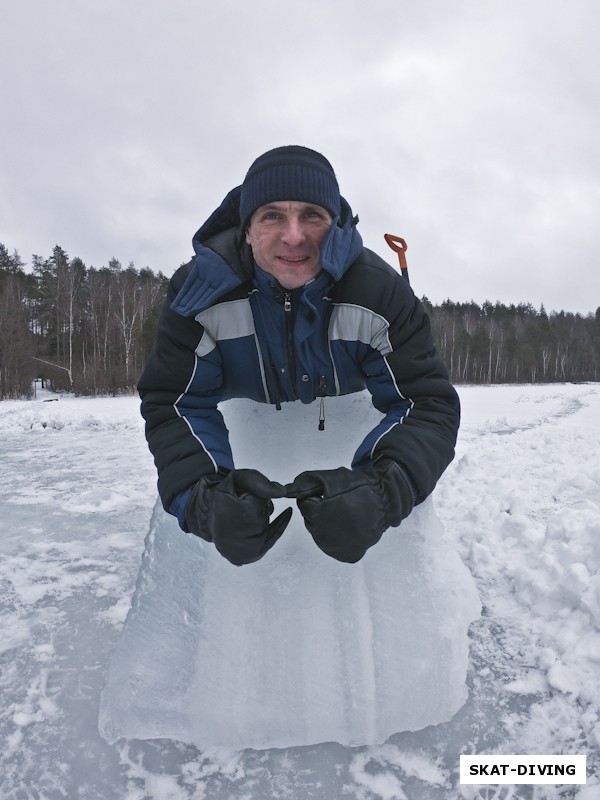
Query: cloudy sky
{"type": "Point", "coordinates": [468, 127]}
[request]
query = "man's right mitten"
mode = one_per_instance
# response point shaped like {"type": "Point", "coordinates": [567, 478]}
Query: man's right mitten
{"type": "Point", "coordinates": [232, 510]}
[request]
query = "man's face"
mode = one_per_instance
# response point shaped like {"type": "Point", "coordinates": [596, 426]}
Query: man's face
{"type": "Point", "coordinates": [286, 237]}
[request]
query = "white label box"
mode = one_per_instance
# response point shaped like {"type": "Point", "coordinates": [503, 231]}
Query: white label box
{"type": "Point", "coordinates": [514, 769]}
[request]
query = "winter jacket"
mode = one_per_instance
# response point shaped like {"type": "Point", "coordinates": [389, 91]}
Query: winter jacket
{"type": "Point", "coordinates": [228, 329]}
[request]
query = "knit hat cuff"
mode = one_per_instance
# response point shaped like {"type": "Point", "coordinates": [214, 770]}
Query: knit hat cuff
{"type": "Point", "coordinates": [293, 173]}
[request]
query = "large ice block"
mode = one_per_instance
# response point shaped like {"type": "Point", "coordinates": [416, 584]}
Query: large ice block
{"type": "Point", "coordinates": [298, 648]}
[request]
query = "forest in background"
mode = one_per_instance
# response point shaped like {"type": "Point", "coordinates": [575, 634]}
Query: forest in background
{"type": "Point", "coordinates": [89, 330]}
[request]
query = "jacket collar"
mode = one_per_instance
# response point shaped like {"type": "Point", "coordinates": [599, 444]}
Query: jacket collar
{"type": "Point", "coordinates": [270, 286]}
{"type": "Point", "coordinates": [223, 260]}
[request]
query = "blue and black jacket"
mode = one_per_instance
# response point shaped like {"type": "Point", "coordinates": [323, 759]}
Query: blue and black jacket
{"type": "Point", "coordinates": [228, 330]}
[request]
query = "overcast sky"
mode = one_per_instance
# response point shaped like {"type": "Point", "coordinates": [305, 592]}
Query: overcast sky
{"type": "Point", "coordinates": [468, 127]}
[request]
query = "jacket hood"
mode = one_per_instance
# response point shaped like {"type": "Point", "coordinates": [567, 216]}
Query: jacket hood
{"type": "Point", "coordinates": [223, 260]}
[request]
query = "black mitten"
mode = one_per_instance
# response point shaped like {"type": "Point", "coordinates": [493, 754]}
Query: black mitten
{"type": "Point", "coordinates": [232, 510]}
{"type": "Point", "coordinates": [347, 511]}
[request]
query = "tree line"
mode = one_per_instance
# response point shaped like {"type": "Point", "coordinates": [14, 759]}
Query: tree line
{"type": "Point", "coordinates": [82, 329]}
{"type": "Point", "coordinates": [497, 343]}
{"type": "Point", "coordinates": [89, 330]}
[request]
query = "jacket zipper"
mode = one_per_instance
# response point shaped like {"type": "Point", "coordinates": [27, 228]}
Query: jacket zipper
{"type": "Point", "coordinates": [289, 330]}
{"type": "Point", "coordinates": [289, 334]}
{"type": "Point", "coordinates": [288, 312]}
{"type": "Point", "coordinates": [277, 391]}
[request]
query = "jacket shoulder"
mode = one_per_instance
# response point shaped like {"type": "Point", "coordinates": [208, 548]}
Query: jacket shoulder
{"type": "Point", "coordinates": [180, 275]}
{"type": "Point", "coordinates": [372, 282]}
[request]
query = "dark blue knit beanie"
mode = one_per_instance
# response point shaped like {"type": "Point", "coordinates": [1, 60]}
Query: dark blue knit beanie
{"type": "Point", "coordinates": [289, 173]}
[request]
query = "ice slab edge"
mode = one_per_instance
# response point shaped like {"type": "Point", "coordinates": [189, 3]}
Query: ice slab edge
{"type": "Point", "coordinates": [296, 649]}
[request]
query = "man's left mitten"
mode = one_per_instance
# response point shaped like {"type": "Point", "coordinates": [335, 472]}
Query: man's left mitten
{"type": "Point", "coordinates": [346, 511]}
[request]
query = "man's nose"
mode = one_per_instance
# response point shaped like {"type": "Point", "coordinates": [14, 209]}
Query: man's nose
{"type": "Point", "coordinates": [293, 233]}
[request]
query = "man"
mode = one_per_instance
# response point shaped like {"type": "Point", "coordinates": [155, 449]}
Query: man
{"type": "Point", "coordinates": [282, 302]}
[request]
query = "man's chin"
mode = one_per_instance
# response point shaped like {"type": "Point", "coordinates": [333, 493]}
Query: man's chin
{"type": "Point", "coordinates": [291, 277]}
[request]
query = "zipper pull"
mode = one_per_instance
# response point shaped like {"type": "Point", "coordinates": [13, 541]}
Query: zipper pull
{"type": "Point", "coordinates": [322, 403]}
{"type": "Point", "coordinates": [287, 302]}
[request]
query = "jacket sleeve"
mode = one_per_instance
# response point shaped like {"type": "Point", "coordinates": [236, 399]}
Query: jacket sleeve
{"type": "Point", "coordinates": [409, 384]}
{"type": "Point", "coordinates": [186, 432]}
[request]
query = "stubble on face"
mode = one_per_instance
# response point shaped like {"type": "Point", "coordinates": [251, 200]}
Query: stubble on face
{"type": "Point", "coordinates": [286, 237]}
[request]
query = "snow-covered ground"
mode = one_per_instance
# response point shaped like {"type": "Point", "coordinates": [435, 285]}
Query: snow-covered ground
{"type": "Point", "coordinates": [520, 503]}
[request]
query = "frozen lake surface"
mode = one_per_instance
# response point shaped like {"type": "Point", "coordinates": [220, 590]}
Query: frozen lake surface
{"type": "Point", "coordinates": [520, 505]}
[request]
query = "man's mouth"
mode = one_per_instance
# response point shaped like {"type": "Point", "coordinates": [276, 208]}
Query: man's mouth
{"type": "Point", "coordinates": [296, 260]}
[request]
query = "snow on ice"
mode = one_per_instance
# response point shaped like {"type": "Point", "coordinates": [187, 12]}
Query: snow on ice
{"type": "Point", "coordinates": [520, 505]}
